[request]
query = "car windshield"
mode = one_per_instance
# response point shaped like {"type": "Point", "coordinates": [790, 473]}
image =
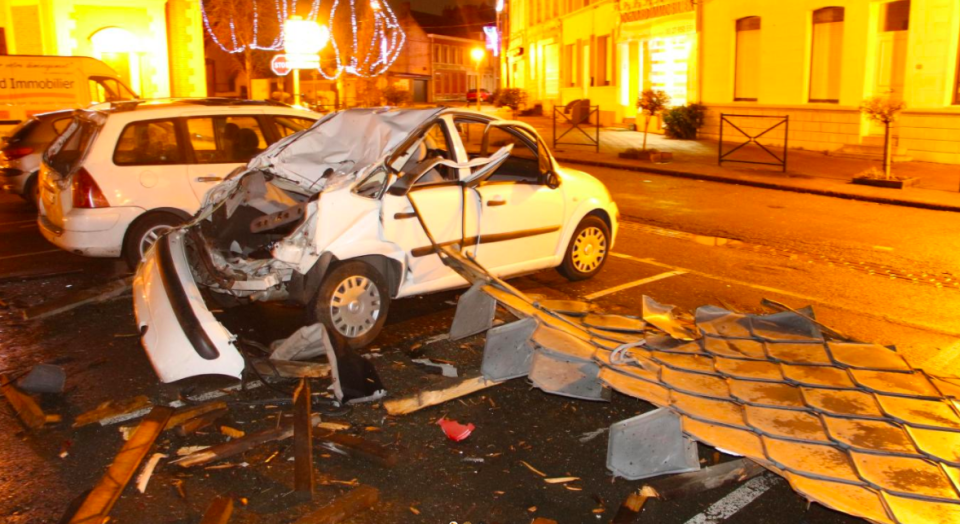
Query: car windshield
{"type": "Point", "coordinates": [67, 151]}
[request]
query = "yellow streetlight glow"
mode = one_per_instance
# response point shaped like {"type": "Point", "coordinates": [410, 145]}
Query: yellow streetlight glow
{"type": "Point", "coordinates": [304, 37]}
{"type": "Point", "coordinates": [477, 54]}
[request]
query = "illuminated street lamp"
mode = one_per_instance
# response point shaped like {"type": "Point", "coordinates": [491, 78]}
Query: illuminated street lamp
{"type": "Point", "coordinates": [302, 42]}
{"type": "Point", "coordinates": [477, 55]}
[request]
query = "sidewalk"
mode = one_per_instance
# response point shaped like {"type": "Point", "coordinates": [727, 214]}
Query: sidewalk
{"type": "Point", "coordinates": [808, 171]}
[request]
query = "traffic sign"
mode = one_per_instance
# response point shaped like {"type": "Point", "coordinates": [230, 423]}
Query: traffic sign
{"type": "Point", "coordinates": [279, 65]}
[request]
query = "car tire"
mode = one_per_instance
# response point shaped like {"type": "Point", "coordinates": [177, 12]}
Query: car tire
{"type": "Point", "coordinates": [352, 303]}
{"type": "Point", "coordinates": [588, 249]}
{"type": "Point", "coordinates": [31, 191]}
{"type": "Point", "coordinates": [144, 232]}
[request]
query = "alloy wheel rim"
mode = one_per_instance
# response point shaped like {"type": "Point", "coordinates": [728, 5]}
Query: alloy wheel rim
{"type": "Point", "coordinates": [151, 236]}
{"type": "Point", "coordinates": [355, 306]}
{"type": "Point", "coordinates": [589, 249]}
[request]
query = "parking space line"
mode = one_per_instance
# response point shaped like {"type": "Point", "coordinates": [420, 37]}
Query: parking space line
{"type": "Point", "coordinates": [736, 500]}
{"type": "Point", "coordinates": [21, 255]}
{"type": "Point", "coordinates": [635, 283]}
{"type": "Point", "coordinates": [791, 294]}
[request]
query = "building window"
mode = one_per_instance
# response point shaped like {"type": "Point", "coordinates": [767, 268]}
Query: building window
{"type": "Point", "coordinates": [603, 73]}
{"type": "Point", "coordinates": [569, 65]}
{"type": "Point", "coordinates": [826, 55]}
{"type": "Point", "coordinates": [747, 74]}
{"type": "Point", "coordinates": [956, 84]}
{"type": "Point", "coordinates": [436, 53]}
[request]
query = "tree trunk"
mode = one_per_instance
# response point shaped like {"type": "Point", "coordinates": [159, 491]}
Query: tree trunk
{"type": "Point", "coordinates": [646, 126]}
{"type": "Point", "coordinates": [248, 71]}
{"type": "Point", "coordinates": [886, 151]}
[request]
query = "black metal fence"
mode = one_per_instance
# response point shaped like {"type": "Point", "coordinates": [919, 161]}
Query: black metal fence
{"type": "Point", "coordinates": [577, 114]}
{"type": "Point", "coordinates": [781, 160]}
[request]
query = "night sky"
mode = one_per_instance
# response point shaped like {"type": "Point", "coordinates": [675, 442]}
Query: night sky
{"type": "Point", "coordinates": [433, 6]}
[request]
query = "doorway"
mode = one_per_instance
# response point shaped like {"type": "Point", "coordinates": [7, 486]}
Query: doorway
{"type": "Point", "coordinates": [419, 91]}
{"type": "Point", "coordinates": [891, 53]}
{"type": "Point", "coordinates": [106, 43]}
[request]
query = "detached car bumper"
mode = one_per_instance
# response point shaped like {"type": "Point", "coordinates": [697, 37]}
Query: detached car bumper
{"type": "Point", "coordinates": [181, 336]}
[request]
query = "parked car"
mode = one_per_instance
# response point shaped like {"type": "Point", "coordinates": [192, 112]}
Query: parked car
{"type": "Point", "coordinates": [345, 217]}
{"type": "Point", "coordinates": [121, 174]}
{"type": "Point", "coordinates": [472, 96]}
{"type": "Point", "coordinates": [21, 152]}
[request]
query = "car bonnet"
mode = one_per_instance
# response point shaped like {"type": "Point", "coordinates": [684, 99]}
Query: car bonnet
{"type": "Point", "coordinates": [347, 142]}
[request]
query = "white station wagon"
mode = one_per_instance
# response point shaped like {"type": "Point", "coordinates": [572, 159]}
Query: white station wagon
{"type": "Point", "coordinates": [346, 216]}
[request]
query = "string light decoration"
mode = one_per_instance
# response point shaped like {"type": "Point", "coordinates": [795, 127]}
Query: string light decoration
{"type": "Point", "coordinates": [366, 59]}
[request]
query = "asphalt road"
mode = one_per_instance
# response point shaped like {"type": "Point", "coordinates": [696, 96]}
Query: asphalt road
{"type": "Point", "coordinates": [878, 273]}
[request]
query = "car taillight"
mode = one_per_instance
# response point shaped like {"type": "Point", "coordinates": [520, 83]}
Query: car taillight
{"type": "Point", "coordinates": [86, 192]}
{"type": "Point", "coordinates": [14, 153]}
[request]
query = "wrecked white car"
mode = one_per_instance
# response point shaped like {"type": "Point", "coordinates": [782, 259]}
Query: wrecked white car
{"type": "Point", "coordinates": [348, 215]}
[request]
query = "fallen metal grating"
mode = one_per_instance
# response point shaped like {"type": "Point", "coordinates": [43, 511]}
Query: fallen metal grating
{"type": "Point", "coordinates": [850, 425]}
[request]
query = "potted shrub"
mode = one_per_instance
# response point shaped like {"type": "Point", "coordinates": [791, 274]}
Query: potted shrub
{"type": "Point", "coordinates": [683, 122]}
{"type": "Point", "coordinates": [650, 103]}
{"type": "Point", "coordinates": [884, 111]}
{"type": "Point", "coordinates": [512, 97]}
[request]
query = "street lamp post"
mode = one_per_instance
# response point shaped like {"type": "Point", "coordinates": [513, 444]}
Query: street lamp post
{"type": "Point", "coordinates": [477, 55]}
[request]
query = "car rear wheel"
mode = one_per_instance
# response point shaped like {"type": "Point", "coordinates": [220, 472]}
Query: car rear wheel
{"type": "Point", "coordinates": [352, 303]}
{"type": "Point", "coordinates": [145, 233]}
{"type": "Point", "coordinates": [588, 249]}
{"type": "Point", "coordinates": [31, 192]}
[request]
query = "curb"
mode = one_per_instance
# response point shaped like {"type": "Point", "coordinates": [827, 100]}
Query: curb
{"type": "Point", "coordinates": [764, 185]}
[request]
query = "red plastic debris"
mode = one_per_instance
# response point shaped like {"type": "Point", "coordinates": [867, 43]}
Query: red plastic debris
{"type": "Point", "coordinates": [454, 430]}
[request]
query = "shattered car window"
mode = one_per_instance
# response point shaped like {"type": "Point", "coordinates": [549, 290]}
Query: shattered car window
{"type": "Point", "coordinates": [433, 146]}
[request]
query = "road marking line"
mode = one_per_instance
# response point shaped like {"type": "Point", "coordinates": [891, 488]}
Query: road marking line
{"type": "Point", "coordinates": [635, 283]}
{"type": "Point", "coordinates": [798, 296]}
{"type": "Point", "coordinates": [736, 500]}
{"type": "Point", "coordinates": [34, 221]}
{"type": "Point", "coordinates": [21, 255]}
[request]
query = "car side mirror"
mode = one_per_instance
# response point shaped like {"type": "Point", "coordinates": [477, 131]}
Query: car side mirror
{"type": "Point", "coordinates": [553, 180]}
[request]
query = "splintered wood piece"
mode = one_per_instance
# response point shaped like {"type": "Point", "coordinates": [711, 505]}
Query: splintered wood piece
{"type": "Point", "coordinates": [344, 507]}
{"type": "Point", "coordinates": [291, 369]}
{"type": "Point", "coordinates": [360, 447]}
{"type": "Point", "coordinates": [111, 409]}
{"type": "Point", "coordinates": [633, 505]}
{"type": "Point", "coordinates": [302, 441]}
{"type": "Point", "coordinates": [219, 511]}
{"type": "Point", "coordinates": [240, 445]}
{"type": "Point", "coordinates": [96, 507]}
{"type": "Point", "coordinates": [189, 427]}
{"type": "Point", "coordinates": [107, 291]}
{"type": "Point", "coordinates": [25, 406]}
{"type": "Point", "coordinates": [185, 414]}
{"type": "Point", "coordinates": [685, 484]}
{"type": "Point", "coordinates": [425, 399]}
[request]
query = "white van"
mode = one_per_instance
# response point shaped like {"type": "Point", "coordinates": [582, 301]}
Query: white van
{"type": "Point", "coordinates": [30, 85]}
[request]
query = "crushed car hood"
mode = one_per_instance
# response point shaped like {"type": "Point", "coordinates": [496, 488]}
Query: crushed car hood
{"type": "Point", "coordinates": [344, 143]}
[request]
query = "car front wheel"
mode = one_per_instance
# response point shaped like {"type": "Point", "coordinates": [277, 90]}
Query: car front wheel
{"type": "Point", "coordinates": [352, 303]}
{"type": "Point", "coordinates": [588, 249]}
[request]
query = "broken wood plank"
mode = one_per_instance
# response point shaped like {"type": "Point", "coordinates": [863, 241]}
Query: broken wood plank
{"type": "Point", "coordinates": [302, 442]}
{"type": "Point", "coordinates": [360, 447]}
{"type": "Point", "coordinates": [424, 399]}
{"type": "Point", "coordinates": [240, 445]}
{"type": "Point", "coordinates": [101, 293]}
{"type": "Point", "coordinates": [112, 410]}
{"type": "Point", "coordinates": [631, 507]}
{"type": "Point", "coordinates": [96, 507]}
{"type": "Point", "coordinates": [685, 484]}
{"type": "Point", "coordinates": [184, 414]}
{"type": "Point", "coordinates": [291, 369]}
{"type": "Point", "coordinates": [219, 511]}
{"type": "Point", "coordinates": [189, 427]}
{"type": "Point", "coordinates": [344, 507]}
{"type": "Point", "coordinates": [25, 406]}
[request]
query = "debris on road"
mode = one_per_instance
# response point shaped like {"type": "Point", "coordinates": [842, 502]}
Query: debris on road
{"type": "Point", "coordinates": [355, 446]}
{"type": "Point", "coordinates": [43, 378]}
{"type": "Point", "coordinates": [424, 399]}
{"type": "Point", "coordinates": [291, 368]}
{"type": "Point", "coordinates": [219, 511]}
{"type": "Point", "coordinates": [101, 293]}
{"type": "Point", "coordinates": [112, 412]}
{"type": "Point", "coordinates": [445, 368]}
{"type": "Point", "coordinates": [237, 446]}
{"type": "Point", "coordinates": [687, 484]}
{"type": "Point", "coordinates": [663, 318]}
{"type": "Point", "coordinates": [192, 425]}
{"type": "Point", "coordinates": [306, 343]}
{"type": "Point", "coordinates": [144, 477]}
{"type": "Point", "coordinates": [454, 430]}
{"type": "Point", "coordinates": [303, 442]}
{"type": "Point", "coordinates": [356, 501]}
{"type": "Point", "coordinates": [629, 511]}
{"type": "Point", "coordinates": [97, 505]}
{"type": "Point", "coordinates": [25, 406]}
{"type": "Point", "coordinates": [187, 414]}
{"type": "Point", "coordinates": [355, 379]}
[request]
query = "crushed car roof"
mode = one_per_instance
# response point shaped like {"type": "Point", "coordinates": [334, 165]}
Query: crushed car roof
{"type": "Point", "coordinates": [342, 143]}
